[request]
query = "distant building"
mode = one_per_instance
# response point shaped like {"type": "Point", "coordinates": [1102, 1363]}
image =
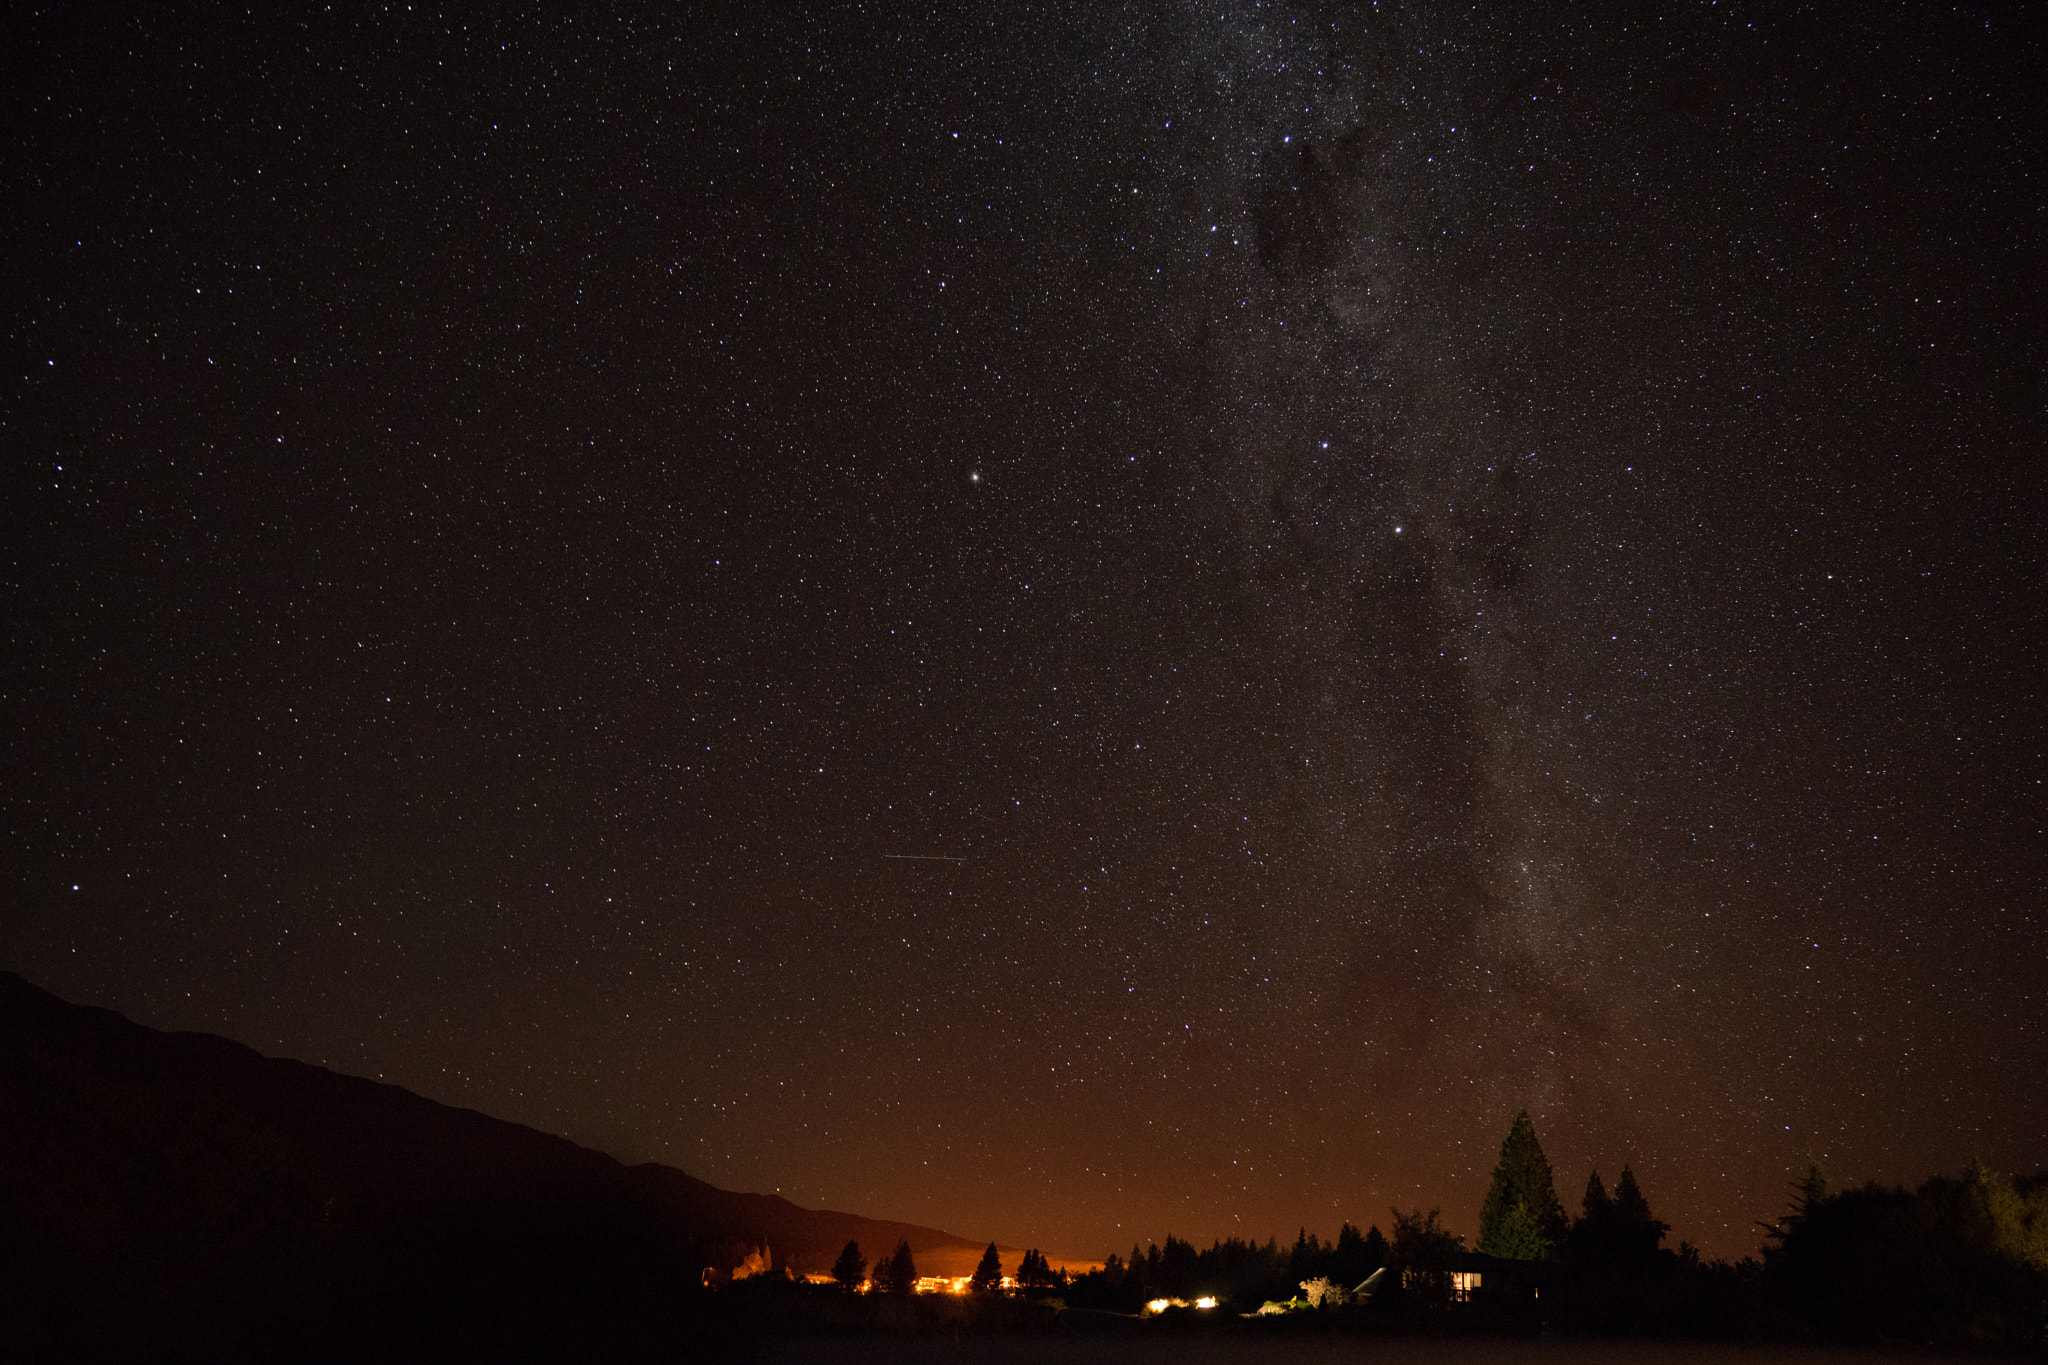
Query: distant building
{"type": "Point", "coordinates": [1477, 1275]}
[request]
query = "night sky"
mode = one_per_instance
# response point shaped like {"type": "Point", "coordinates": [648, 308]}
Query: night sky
{"type": "Point", "coordinates": [1069, 623]}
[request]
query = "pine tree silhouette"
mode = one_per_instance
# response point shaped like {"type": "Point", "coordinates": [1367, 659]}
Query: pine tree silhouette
{"type": "Point", "coordinates": [1521, 1176]}
{"type": "Point", "coordinates": [988, 1276]}
{"type": "Point", "coordinates": [1348, 1263]}
{"type": "Point", "coordinates": [1596, 1205]}
{"type": "Point", "coordinates": [1035, 1274]}
{"type": "Point", "coordinates": [1375, 1248]}
{"type": "Point", "coordinates": [851, 1267]}
{"type": "Point", "coordinates": [1638, 1233]}
{"type": "Point", "coordinates": [898, 1274]}
{"type": "Point", "coordinates": [1616, 1234]}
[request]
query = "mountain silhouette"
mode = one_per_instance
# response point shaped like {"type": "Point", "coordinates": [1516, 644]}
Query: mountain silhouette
{"type": "Point", "coordinates": [174, 1194]}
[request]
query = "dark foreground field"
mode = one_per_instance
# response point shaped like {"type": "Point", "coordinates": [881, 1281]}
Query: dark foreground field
{"type": "Point", "coordinates": [1171, 1350]}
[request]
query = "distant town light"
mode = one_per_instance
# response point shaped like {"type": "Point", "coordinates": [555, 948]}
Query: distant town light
{"type": "Point", "coordinates": [941, 1284]}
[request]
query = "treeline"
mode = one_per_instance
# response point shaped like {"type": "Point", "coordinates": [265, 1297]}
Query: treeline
{"type": "Point", "coordinates": [1238, 1274]}
{"type": "Point", "coordinates": [1960, 1260]}
{"type": "Point", "coordinates": [897, 1273]}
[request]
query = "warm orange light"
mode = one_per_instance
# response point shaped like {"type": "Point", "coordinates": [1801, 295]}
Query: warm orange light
{"type": "Point", "coordinates": [941, 1284]}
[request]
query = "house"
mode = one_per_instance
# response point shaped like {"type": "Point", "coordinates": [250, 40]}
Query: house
{"type": "Point", "coordinates": [1475, 1275]}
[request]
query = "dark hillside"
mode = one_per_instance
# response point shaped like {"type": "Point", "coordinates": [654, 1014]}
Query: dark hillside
{"type": "Point", "coordinates": [164, 1194]}
{"type": "Point", "coordinates": [806, 1240]}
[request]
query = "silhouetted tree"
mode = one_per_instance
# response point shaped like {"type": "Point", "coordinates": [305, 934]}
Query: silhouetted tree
{"type": "Point", "coordinates": [1521, 1176]}
{"type": "Point", "coordinates": [1809, 1194]}
{"type": "Point", "coordinates": [1177, 1267]}
{"type": "Point", "coordinates": [1639, 1234]}
{"type": "Point", "coordinates": [1596, 1205]}
{"type": "Point", "coordinates": [1958, 1259]}
{"type": "Point", "coordinates": [898, 1274]}
{"type": "Point", "coordinates": [1811, 1188]}
{"type": "Point", "coordinates": [1350, 1261]}
{"type": "Point", "coordinates": [1115, 1286]}
{"type": "Point", "coordinates": [1621, 1280]}
{"type": "Point", "coordinates": [1034, 1275]}
{"type": "Point", "coordinates": [988, 1276]}
{"type": "Point", "coordinates": [1243, 1273]}
{"type": "Point", "coordinates": [851, 1267]}
{"type": "Point", "coordinates": [1375, 1249]}
{"type": "Point", "coordinates": [1306, 1260]}
{"type": "Point", "coordinates": [1629, 1204]}
{"type": "Point", "coordinates": [1424, 1253]}
{"type": "Point", "coordinates": [1592, 1241]}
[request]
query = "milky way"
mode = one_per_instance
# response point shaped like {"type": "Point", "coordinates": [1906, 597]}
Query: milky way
{"type": "Point", "coordinates": [1071, 625]}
